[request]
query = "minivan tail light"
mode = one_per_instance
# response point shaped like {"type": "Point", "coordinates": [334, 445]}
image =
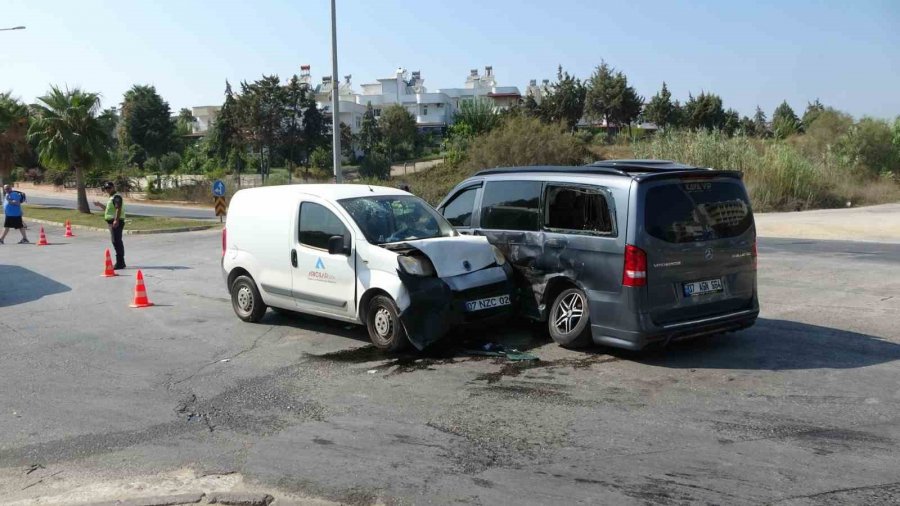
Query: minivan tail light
{"type": "Point", "coordinates": [635, 273]}
{"type": "Point", "coordinates": [754, 254]}
{"type": "Point", "coordinates": [224, 236]}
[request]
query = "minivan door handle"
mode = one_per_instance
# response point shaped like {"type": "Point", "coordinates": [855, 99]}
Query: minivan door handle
{"type": "Point", "coordinates": [556, 243]}
{"type": "Point", "coordinates": [294, 257]}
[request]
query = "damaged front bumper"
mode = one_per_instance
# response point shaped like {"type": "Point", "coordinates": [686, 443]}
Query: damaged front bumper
{"type": "Point", "coordinates": [437, 304]}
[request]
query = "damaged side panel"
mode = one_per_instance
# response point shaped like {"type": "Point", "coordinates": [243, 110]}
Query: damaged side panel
{"type": "Point", "coordinates": [541, 259]}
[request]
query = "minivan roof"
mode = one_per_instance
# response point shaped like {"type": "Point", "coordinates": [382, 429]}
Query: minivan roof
{"type": "Point", "coordinates": [634, 169]}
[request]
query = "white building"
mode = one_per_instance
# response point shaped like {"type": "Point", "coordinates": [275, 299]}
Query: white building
{"type": "Point", "coordinates": [204, 116]}
{"type": "Point", "coordinates": [433, 111]}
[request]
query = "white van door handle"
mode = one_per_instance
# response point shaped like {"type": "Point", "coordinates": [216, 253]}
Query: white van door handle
{"type": "Point", "coordinates": [294, 257]}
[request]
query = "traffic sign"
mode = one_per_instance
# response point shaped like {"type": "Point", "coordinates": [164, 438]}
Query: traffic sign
{"type": "Point", "coordinates": [220, 207]}
{"type": "Point", "coordinates": [218, 188]}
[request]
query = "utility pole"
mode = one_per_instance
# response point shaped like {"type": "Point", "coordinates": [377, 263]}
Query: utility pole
{"type": "Point", "coordinates": [335, 98]}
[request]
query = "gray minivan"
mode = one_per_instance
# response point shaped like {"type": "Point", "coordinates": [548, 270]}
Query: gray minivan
{"type": "Point", "coordinates": [624, 253]}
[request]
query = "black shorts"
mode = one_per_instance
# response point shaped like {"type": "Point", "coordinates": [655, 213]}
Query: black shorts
{"type": "Point", "coordinates": [13, 222]}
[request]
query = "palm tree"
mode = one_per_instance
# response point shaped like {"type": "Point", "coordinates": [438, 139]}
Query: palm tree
{"type": "Point", "coordinates": [67, 133]}
{"type": "Point", "coordinates": [13, 127]}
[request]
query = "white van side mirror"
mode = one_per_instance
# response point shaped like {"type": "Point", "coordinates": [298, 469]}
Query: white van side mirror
{"type": "Point", "coordinates": [336, 245]}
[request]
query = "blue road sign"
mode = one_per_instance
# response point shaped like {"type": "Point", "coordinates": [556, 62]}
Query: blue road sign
{"type": "Point", "coordinates": [218, 188]}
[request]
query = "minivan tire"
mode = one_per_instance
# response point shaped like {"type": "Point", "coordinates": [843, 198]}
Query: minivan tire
{"type": "Point", "coordinates": [246, 301]}
{"type": "Point", "coordinates": [569, 319]}
{"type": "Point", "coordinates": [384, 326]}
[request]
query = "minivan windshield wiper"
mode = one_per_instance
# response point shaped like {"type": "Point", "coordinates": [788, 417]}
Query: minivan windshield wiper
{"type": "Point", "coordinates": [396, 218]}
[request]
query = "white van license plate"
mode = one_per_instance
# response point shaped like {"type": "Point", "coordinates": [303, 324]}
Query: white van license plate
{"type": "Point", "coordinates": [702, 287]}
{"type": "Point", "coordinates": [488, 303]}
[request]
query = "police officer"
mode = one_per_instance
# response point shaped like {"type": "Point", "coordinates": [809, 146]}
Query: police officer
{"type": "Point", "coordinates": [114, 214]}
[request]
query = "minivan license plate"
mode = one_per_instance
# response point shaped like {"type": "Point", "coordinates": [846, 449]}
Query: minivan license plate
{"type": "Point", "coordinates": [702, 287]}
{"type": "Point", "coordinates": [488, 303]}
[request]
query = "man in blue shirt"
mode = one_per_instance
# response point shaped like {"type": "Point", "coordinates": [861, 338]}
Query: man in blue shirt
{"type": "Point", "coordinates": [12, 208]}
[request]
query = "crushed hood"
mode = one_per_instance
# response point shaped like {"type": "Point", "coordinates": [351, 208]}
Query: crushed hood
{"type": "Point", "coordinates": [449, 254]}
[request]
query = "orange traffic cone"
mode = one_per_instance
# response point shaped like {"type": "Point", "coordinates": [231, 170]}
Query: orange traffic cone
{"type": "Point", "coordinates": [43, 239]}
{"type": "Point", "coordinates": [140, 293]}
{"type": "Point", "coordinates": [108, 272]}
{"type": "Point", "coordinates": [69, 230]}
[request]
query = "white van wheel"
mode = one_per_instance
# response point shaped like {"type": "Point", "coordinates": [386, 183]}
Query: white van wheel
{"type": "Point", "coordinates": [384, 326]}
{"type": "Point", "coordinates": [569, 319]}
{"type": "Point", "coordinates": [246, 301]}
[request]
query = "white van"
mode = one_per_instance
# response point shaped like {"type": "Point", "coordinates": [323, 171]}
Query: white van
{"type": "Point", "coordinates": [376, 256]}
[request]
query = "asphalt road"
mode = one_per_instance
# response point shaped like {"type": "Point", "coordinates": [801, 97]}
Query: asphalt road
{"type": "Point", "coordinates": [165, 211]}
{"type": "Point", "coordinates": [803, 408]}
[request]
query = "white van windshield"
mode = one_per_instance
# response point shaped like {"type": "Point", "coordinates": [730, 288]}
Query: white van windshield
{"type": "Point", "coordinates": [396, 218]}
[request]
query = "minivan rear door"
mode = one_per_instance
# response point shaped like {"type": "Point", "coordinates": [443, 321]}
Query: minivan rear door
{"type": "Point", "coordinates": [699, 236]}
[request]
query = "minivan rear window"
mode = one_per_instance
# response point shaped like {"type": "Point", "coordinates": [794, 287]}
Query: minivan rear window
{"type": "Point", "coordinates": [691, 211]}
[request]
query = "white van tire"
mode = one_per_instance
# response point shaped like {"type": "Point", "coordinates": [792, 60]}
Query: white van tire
{"type": "Point", "coordinates": [569, 319]}
{"type": "Point", "coordinates": [246, 301]}
{"type": "Point", "coordinates": [384, 326]}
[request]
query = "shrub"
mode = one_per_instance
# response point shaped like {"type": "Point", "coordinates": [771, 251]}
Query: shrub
{"type": "Point", "coordinates": [778, 175]}
{"type": "Point", "coordinates": [523, 141]}
{"type": "Point", "coordinates": [375, 165]}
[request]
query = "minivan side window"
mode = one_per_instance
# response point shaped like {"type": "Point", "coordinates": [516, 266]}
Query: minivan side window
{"type": "Point", "coordinates": [578, 209]}
{"type": "Point", "coordinates": [511, 205]}
{"type": "Point", "coordinates": [459, 211]}
{"type": "Point", "coordinates": [317, 224]}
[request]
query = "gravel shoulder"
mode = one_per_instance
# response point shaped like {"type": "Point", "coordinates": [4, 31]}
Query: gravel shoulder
{"type": "Point", "coordinates": [879, 223]}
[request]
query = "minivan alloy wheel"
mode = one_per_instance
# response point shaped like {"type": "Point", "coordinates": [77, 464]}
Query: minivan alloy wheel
{"type": "Point", "coordinates": [569, 312]}
{"type": "Point", "coordinates": [569, 319]}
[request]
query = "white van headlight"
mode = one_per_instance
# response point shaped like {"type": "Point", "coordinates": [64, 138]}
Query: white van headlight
{"type": "Point", "coordinates": [498, 256]}
{"type": "Point", "coordinates": [416, 265]}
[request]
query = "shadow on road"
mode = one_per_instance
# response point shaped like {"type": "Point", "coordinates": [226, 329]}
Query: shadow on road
{"type": "Point", "coordinates": [21, 285]}
{"type": "Point", "coordinates": [776, 345]}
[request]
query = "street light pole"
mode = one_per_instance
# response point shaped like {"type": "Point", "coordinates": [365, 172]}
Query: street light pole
{"type": "Point", "coordinates": [13, 28]}
{"type": "Point", "coordinates": [335, 98]}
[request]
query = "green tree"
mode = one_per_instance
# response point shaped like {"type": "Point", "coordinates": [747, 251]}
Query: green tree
{"type": "Point", "coordinates": [660, 110]}
{"type": "Point", "coordinates": [185, 122]}
{"type": "Point", "coordinates": [611, 99]}
{"type": "Point", "coordinates": [760, 123]}
{"type": "Point", "coordinates": [785, 122]}
{"type": "Point", "coordinates": [747, 127]}
{"type": "Point", "coordinates": [398, 132]}
{"type": "Point", "coordinates": [109, 118]}
{"type": "Point", "coordinates": [261, 106]}
{"type": "Point", "coordinates": [870, 144]}
{"type": "Point", "coordinates": [147, 126]}
{"type": "Point", "coordinates": [813, 109]}
{"type": "Point", "coordinates": [314, 127]}
{"type": "Point", "coordinates": [564, 101]}
{"type": "Point", "coordinates": [732, 122]}
{"type": "Point", "coordinates": [704, 112]}
{"type": "Point", "coordinates": [347, 141]}
{"type": "Point", "coordinates": [13, 132]}
{"type": "Point", "coordinates": [476, 117]}
{"type": "Point", "coordinates": [375, 164]}
{"type": "Point", "coordinates": [369, 134]}
{"type": "Point", "coordinates": [67, 134]}
{"type": "Point", "coordinates": [321, 162]}
{"type": "Point", "coordinates": [293, 136]}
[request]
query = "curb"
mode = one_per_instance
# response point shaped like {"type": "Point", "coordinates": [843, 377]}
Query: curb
{"type": "Point", "coordinates": [129, 232]}
{"type": "Point", "coordinates": [226, 498]}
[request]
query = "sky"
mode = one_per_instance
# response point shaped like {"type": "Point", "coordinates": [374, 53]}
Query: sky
{"type": "Point", "coordinates": [845, 53]}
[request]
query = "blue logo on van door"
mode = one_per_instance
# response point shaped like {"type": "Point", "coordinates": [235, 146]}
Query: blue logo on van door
{"type": "Point", "coordinates": [320, 264]}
